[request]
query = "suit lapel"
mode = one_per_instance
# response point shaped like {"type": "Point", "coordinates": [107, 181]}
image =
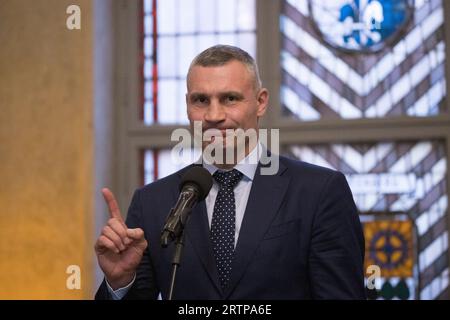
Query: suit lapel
{"type": "Point", "coordinates": [264, 201]}
{"type": "Point", "coordinates": [197, 231]}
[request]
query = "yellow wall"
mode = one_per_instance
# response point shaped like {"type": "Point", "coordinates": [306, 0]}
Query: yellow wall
{"type": "Point", "coordinates": [46, 156]}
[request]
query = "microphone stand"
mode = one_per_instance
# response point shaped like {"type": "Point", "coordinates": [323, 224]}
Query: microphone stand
{"type": "Point", "coordinates": [195, 185]}
{"type": "Point", "coordinates": [177, 235]}
{"type": "Point", "coordinates": [179, 244]}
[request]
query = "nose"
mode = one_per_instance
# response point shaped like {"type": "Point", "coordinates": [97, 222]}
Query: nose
{"type": "Point", "coordinates": [215, 113]}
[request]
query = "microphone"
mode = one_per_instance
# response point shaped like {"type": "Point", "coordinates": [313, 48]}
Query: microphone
{"type": "Point", "coordinates": [194, 186]}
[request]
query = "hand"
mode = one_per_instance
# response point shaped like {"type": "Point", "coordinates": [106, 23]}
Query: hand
{"type": "Point", "coordinates": [119, 249]}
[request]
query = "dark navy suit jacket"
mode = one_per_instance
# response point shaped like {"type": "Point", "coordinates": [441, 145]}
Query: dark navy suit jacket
{"type": "Point", "coordinates": [300, 238]}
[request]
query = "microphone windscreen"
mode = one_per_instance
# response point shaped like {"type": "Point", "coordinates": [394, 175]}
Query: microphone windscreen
{"type": "Point", "coordinates": [201, 178]}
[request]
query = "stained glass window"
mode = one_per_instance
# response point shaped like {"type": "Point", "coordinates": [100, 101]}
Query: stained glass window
{"type": "Point", "coordinates": [155, 165]}
{"type": "Point", "coordinates": [329, 72]}
{"type": "Point", "coordinates": [401, 190]}
{"type": "Point", "coordinates": [174, 32]}
{"type": "Point", "coordinates": [159, 163]}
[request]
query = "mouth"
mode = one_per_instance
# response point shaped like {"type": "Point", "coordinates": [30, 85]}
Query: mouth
{"type": "Point", "coordinates": [223, 130]}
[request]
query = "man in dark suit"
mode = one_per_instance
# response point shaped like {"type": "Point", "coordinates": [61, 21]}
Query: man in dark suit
{"type": "Point", "coordinates": [294, 234]}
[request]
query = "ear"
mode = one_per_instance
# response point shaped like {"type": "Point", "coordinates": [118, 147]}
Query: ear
{"type": "Point", "coordinates": [187, 106]}
{"type": "Point", "coordinates": [263, 101]}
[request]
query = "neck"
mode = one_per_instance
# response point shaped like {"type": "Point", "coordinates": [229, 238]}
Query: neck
{"type": "Point", "coordinates": [237, 158]}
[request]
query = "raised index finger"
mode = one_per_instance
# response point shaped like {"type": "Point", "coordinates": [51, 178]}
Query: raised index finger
{"type": "Point", "coordinates": [112, 204]}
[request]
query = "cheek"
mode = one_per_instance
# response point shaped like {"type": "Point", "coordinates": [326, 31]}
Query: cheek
{"type": "Point", "coordinates": [194, 113]}
{"type": "Point", "coordinates": [245, 117]}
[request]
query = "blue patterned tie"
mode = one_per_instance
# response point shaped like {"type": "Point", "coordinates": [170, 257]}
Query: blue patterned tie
{"type": "Point", "coordinates": [223, 223]}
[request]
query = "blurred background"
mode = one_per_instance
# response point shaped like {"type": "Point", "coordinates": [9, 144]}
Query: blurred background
{"type": "Point", "coordinates": [90, 92]}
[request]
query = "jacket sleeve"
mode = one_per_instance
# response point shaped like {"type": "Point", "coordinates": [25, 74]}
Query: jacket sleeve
{"type": "Point", "coordinates": [336, 259]}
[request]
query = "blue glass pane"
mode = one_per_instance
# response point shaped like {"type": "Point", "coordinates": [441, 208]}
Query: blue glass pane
{"type": "Point", "coordinates": [246, 20]}
{"type": "Point", "coordinates": [148, 90]}
{"type": "Point", "coordinates": [247, 41]}
{"type": "Point", "coordinates": [187, 17]}
{"type": "Point", "coordinates": [188, 43]}
{"type": "Point", "coordinates": [181, 98]}
{"type": "Point", "coordinates": [167, 55]}
{"type": "Point", "coordinates": [148, 68]}
{"type": "Point", "coordinates": [205, 41]}
{"type": "Point", "coordinates": [148, 47]}
{"type": "Point", "coordinates": [147, 6]}
{"type": "Point", "coordinates": [167, 100]}
{"type": "Point", "coordinates": [206, 16]}
{"type": "Point", "coordinates": [226, 15]}
{"type": "Point", "coordinates": [148, 112]}
{"type": "Point", "coordinates": [169, 164]}
{"type": "Point", "coordinates": [228, 38]}
{"type": "Point", "coordinates": [148, 25]}
{"type": "Point", "coordinates": [149, 167]}
{"type": "Point", "coordinates": [167, 16]}
{"type": "Point", "coordinates": [172, 105]}
{"type": "Point", "coordinates": [166, 163]}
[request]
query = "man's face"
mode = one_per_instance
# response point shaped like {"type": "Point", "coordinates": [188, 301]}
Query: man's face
{"type": "Point", "coordinates": [224, 97]}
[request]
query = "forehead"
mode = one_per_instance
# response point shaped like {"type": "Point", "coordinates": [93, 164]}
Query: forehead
{"type": "Point", "coordinates": [233, 75]}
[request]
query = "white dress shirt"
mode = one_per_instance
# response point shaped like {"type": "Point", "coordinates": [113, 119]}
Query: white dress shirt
{"type": "Point", "coordinates": [247, 167]}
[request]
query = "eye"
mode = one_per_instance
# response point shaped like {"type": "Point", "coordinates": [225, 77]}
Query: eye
{"type": "Point", "coordinates": [200, 100]}
{"type": "Point", "coordinates": [231, 99]}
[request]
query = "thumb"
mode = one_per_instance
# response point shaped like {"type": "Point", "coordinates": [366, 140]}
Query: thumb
{"type": "Point", "coordinates": [135, 234]}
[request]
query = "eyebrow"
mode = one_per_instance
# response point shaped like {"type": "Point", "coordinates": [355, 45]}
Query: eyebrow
{"type": "Point", "coordinates": [232, 93]}
{"type": "Point", "coordinates": [196, 95]}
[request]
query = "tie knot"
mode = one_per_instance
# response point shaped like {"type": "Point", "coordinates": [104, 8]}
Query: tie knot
{"type": "Point", "coordinates": [227, 179]}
